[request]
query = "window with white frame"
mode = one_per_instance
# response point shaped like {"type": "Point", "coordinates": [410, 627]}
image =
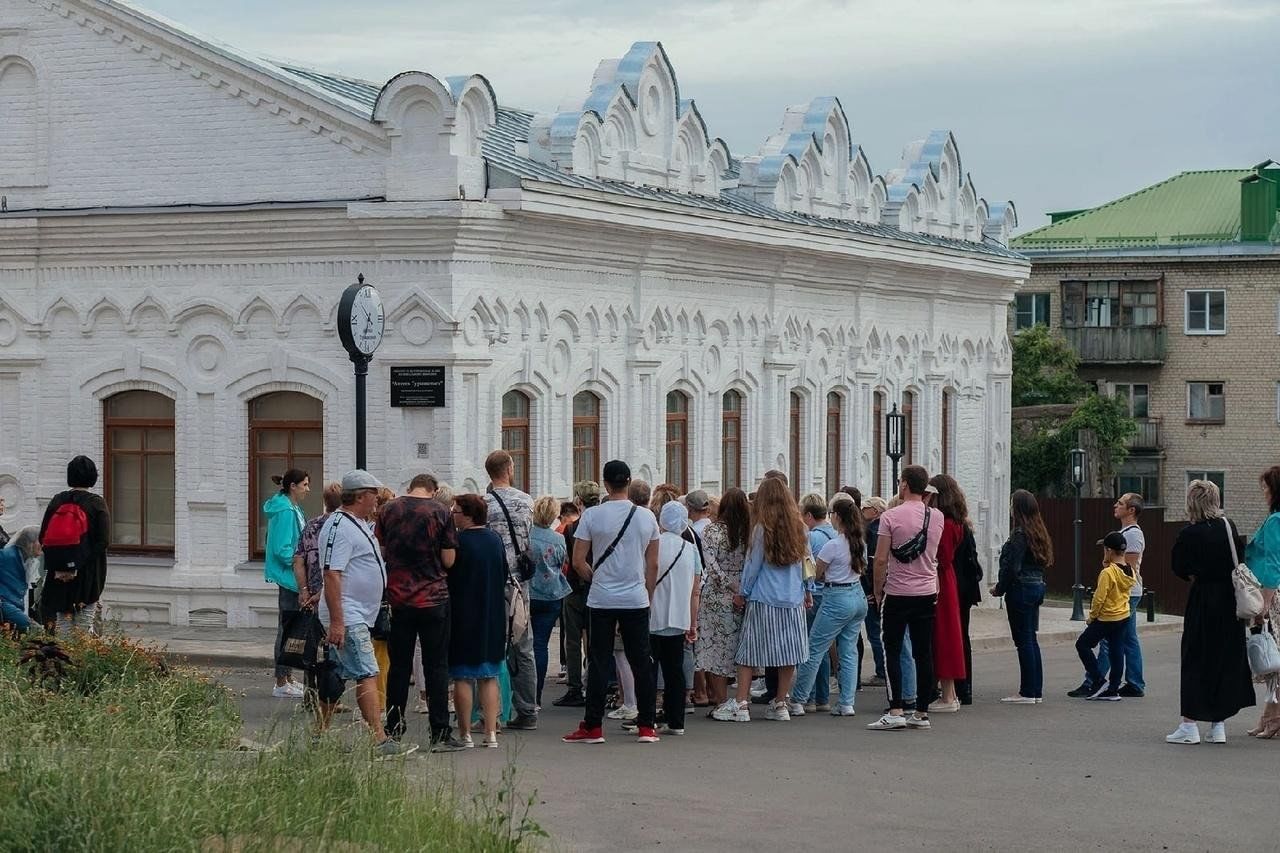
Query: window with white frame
{"type": "Point", "coordinates": [1136, 397]}
{"type": "Point", "coordinates": [1218, 478]}
{"type": "Point", "coordinates": [1206, 312]}
{"type": "Point", "coordinates": [1030, 309]}
{"type": "Point", "coordinates": [1206, 402]}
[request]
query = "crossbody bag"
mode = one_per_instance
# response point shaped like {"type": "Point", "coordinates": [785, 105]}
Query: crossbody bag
{"type": "Point", "coordinates": [914, 547]}
{"type": "Point", "coordinates": [679, 554]}
{"type": "Point", "coordinates": [608, 552]}
{"type": "Point", "coordinates": [524, 561]}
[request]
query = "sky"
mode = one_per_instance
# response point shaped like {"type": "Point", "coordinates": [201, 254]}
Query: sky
{"type": "Point", "coordinates": [1055, 104]}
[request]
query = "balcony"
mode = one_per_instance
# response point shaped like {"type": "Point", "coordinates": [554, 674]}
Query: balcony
{"type": "Point", "coordinates": [1117, 344]}
{"type": "Point", "coordinates": [1150, 435]}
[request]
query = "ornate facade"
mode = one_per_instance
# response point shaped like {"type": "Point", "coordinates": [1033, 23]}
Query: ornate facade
{"type": "Point", "coordinates": [606, 281]}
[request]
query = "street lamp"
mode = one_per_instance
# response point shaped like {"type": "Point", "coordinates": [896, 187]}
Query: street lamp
{"type": "Point", "coordinates": [1077, 479]}
{"type": "Point", "coordinates": [895, 427]}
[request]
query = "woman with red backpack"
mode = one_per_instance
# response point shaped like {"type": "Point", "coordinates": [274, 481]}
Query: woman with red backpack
{"type": "Point", "coordinates": [74, 535]}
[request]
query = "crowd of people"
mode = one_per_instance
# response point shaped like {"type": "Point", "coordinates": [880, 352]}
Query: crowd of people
{"type": "Point", "coordinates": [717, 603]}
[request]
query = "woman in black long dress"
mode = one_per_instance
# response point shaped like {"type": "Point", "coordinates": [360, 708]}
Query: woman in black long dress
{"type": "Point", "coordinates": [478, 618]}
{"type": "Point", "coordinates": [1216, 682]}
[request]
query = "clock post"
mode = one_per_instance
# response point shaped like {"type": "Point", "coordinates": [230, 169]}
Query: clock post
{"type": "Point", "coordinates": [360, 326]}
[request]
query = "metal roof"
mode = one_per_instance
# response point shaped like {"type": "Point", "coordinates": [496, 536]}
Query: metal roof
{"type": "Point", "coordinates": [1192, 208]}
{"type": "Point", "coordinates": [501, 149]}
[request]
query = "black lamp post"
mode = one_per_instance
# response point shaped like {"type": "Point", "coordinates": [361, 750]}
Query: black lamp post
{"type": "Point", "coordinates": [1077, 480]}
{"type": "Point", "coordinates": [895, 425]}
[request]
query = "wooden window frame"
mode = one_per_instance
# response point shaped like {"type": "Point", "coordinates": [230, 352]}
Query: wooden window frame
{"type": "Point", "coordinates": [796, 419]}
{"type": "Point", "coordinates": [521, 459]}
{"type": "Point", "coordinates": [948, 416]}
{"type": "Point", "coordinates": [1207, 293]}
{"type": "Point", "coordinates": [256, 427]}
{"type": "Point", "coordinates": [731, 451]}
{"type": "Point", "coordinates": [1208, 383]}
{"type": "Point", "coordinates": [680, 446]}
{"type": "Point", "coordinates": [835, 441]}
{"type": "Point", "coordinates": [877, 441]}
{"type": "Point", "coordinates": [909, 399]}
{"type": "Point", "coordinates": [593, 421]}
{"type": "Point", "coordinates": [109, 452]}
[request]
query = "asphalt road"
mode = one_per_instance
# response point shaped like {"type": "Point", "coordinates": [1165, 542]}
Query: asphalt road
{"type": "Point", "coordinates": [1064, 775]}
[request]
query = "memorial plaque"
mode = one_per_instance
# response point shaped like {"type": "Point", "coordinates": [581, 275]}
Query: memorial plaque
{"type": "Point", "coordinates": [418, 386]}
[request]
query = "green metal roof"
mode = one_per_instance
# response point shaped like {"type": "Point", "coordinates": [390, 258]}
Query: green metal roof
{"type": "Point", "coordinates": [1193, 208]}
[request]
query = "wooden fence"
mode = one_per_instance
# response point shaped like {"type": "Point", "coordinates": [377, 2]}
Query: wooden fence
{"type": "Point", "coordinates": [1096, 513]}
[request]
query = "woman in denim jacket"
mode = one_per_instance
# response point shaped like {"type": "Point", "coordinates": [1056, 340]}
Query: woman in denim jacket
{"type": "Point", "coordinates": [1023, 561]}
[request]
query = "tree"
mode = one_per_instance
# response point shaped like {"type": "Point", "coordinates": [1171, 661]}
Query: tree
{"type": "Point", "coordinates": [1044, 373]}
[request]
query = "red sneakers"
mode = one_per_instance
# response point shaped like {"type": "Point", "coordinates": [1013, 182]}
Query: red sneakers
{"type": "Point", "coordinates": [645, 734]}
{"type": "Point", "coordinates": [586, 735]}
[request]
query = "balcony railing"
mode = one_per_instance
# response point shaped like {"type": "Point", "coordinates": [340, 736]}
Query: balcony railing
{"type": "Point", "coordinates": [1117, 344]}
{"type": "Point", "coordinates": [1150, 435]}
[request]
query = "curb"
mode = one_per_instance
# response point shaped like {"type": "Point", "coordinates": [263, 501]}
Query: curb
{"type": "Point", "coordinates": [220, 659]}
{"type": "Point", "coordinates": [1062, 637]}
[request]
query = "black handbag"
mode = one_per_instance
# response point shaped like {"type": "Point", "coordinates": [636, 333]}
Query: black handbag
{"type": "Point", "coordinates": [381, 629]}
{"type": "Point", "coordinates": [302, 640]}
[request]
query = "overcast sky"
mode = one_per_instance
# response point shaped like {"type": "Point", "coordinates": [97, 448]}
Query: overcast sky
{"type": "Point", "coordinates": [1056, 104]}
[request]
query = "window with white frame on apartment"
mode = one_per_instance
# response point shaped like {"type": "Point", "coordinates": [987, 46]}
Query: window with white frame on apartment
{"type": "Point", "coordinates": [1030, 309]}
{"type": "Point", "coordinates": [1206, 401]}
{"type": "Point", "coordinates": [1136, 397]}
{"type": "Point", "coordinates": [1218, 478]}
{"type": "Point", "coordinates": [1206, 312]}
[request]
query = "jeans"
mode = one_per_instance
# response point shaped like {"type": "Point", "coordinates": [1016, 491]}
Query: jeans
{"type": "Point", "coordinates": [543, 615]}
{"type": "Point", "coordinates": [573, 622]}
{"type": "Point", "coordinates": [1132, 650]}
{"type": "Point", "coordinates": [428, 629]}
{"type": "Point", "coordinates": [14, 616]}
{"type": "Point", "coordinates": [915, 614]}
{"type": "Point", "coordinates": [633, 624]}
{"type": "Point", "coordinates": [524, 676]}
{"type": "Point", "coordinates": [840, 620]}
{"type": "Point", "coordinates": [1022, 604]}
{"type": "Point", "coordinates": [287, 602]}
{"type": "Point", "coordinates": [668, 655]}
{"type": "Point", "coordinates": [820, 691]}
{"type": "Point", "coordinates": [1097, 631]}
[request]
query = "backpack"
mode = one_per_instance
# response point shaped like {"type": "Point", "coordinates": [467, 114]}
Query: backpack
{"type": "Point", "coordinates": [66, 540]}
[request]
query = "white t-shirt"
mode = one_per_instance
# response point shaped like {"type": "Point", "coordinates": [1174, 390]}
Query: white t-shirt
{"type": "Point", "coordinates": [618, 581]}
{"type": "Point", "coordinates": [839, 561]}
{"type": "Point", "coordinates": [670, 613]}
{"type": "Point", "coordinates": [347, 546]}
{"type": "Point", "coordinates": [700, 526]}
{"type": "Point", "coordinates": [1135, 543]}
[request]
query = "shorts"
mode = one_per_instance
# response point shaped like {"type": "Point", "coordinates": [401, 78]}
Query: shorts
{"type": "Point", "coordinates": [356, 660]}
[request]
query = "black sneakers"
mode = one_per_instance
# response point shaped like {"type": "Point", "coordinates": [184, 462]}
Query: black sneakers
{"type": "Point", "coordinates": [523, 723]}
{"type": "Point", "coordinates": [571, 699]}
{"type": "Point", "coordinates": [1084, 691]}
{"type": "Point", "coordinates": [1128, 691]}
{"type": "Point", "coordinates": [1106, 695]}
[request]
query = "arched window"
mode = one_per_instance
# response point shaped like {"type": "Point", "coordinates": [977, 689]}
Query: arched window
{"type": "Point", "coordinates": [909, 428]}
{"type": "Point", "coordinates": [286, 430]}
{"type": "Point", "coordinates": [139, 479]}
{"type": "Point", "coordinates": [586, 436]}
{"type": "Point", "coordinates": [678, 440]}
{"type": "Point", "coordinates": [731, 440]}
{"type": "Point", "coordinates": [797, 423]}
{"type": "Point", "coordinates": [948, 397]}
{"type": "Point", "coordinates": [20, 131]}
{"type": "Point", "coordinates": [835, 437]}
{"type": "Point", "coordinates": [515, 435]}
{"type": "Point", "coordinates": [877, 442]}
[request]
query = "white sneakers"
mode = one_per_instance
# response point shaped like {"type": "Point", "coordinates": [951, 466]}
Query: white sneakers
{"type": "Point", "coordinates": [289, 690]}
{"type": "Point", "coordinates": [758, 688]}
{"type": "Point", "coordinates": [420, 706]}
{"type": "Point", "coordinates": [1189, 733]}
{"type": "Point", "coordinates": [624, 712]}
{"type": "Point", "coordinates": [778, 712]}
{"type": "Point", "coordinates": [888, 723]}
{"type": "Point", "coordinates": [796, 709]}
{"type": "Point", "coordinates": [1017, 699]}
{"type": "Point", "coordinates": [941, 707]}
{"type": "Point", "coordinates": [732, 711]}
{"type": "Point", "coordinates": [842, 711]}
{"type": "Point", "coordinates": [490, 740]}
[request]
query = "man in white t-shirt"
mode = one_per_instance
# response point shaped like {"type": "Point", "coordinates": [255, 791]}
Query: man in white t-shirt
{"type": "Point", "coordinates": [354, 581]}
{"type": "Point", "coordinates": [623, 541]}
{"type": "Point", "coordinates": [1126, 510]}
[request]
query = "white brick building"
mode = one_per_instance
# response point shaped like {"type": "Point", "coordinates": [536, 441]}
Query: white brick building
{"type": "Point", "coordinates": [179, 220]}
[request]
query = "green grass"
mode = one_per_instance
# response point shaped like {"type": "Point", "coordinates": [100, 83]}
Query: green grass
{"type": "Point", "coordinates": [119, 752]}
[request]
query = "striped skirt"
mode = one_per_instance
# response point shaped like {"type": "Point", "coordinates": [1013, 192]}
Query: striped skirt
{"type": "Point", "coordinates": [773, 636]}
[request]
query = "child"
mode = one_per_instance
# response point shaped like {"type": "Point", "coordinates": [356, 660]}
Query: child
{"type": "Point", "coordinates": [1108, 619]}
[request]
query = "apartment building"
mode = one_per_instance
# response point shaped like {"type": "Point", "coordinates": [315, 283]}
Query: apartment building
{"type": "Point", "coordinates": [1171, 298]}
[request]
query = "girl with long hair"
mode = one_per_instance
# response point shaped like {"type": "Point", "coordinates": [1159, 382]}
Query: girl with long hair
{"type": "Point", "coordinates": [1023, 562]}
{"type": "Point", "coordinates": [840, 565]}
{"type": "Point", "coordinates": [284, 527]}
{"type": "Point", "coordinates": [948, 633]}
{"type": "Point", "coordinates": [774, 630]}
{"type": "Point", "coordinates": [724, 544]}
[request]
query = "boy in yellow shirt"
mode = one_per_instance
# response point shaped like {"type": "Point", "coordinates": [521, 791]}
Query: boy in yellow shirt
{"type": "Point", "coordinates": [1108, 619]}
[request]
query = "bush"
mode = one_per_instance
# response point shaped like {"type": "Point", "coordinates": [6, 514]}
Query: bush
{"type": "Point", "coordinates": [111, 749]}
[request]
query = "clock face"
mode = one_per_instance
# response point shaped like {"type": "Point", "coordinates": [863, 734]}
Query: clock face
{"type": "Point", "coordinates": [367, 320]}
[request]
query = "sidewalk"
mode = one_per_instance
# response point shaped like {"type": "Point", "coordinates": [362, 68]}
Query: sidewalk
{"type": "Point", "coordinates": [254, 647]}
